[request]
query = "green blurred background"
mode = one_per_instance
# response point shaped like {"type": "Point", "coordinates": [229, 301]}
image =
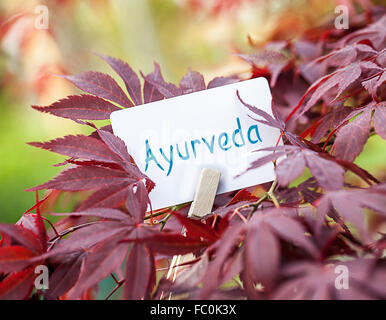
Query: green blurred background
{"type": "Point", "coordinates": [177, 34]}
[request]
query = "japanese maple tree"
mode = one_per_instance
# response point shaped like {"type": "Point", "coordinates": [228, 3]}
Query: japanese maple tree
{"type": "Point", "coordinates": [280, 240]}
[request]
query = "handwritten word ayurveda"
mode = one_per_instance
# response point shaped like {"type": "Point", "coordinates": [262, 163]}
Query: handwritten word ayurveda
{"type": "Point", "coordinates": [192, 148]}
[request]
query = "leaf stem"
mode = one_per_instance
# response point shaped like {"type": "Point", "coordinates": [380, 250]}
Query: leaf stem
{"type": "Point", "coordinates": [271, 194]}
{"type": "Point", "coordinates": [267, 195]}
{"type": "Point", "coordinates": [119, 284]}
{"type": "Point", "coordinates": [115, 278]}
{"type": "Point", "coordinates": [256, 204]}
{"type": "Point", "coordinates": [51, 225]}
{"type": "Point", "coordinates": [67, 231]}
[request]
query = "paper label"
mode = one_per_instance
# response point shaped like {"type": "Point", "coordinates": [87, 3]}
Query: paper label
{"type": "Point", "coordinates": [172, 140]}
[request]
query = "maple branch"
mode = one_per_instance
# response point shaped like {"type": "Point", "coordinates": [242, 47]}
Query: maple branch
{"type": "Point", "coordinates": [256, 204]}
{"type": "Point", "coordinates": [163, 211]}
{"type": "Point", "coordinates": [271, 195]}
{"type": "Point", "coordinates": [267, 195]}
{"type": "Point", "coordinates": [164, 220]}
{"type": "Point", "coordinates": [147, 217]}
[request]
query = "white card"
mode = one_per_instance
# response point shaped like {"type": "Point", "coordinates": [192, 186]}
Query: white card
{"type": "Point", "coordinates": [172, 140]}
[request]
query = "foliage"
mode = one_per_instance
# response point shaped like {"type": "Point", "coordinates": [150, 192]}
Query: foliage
{"type": "Point", "coordinates": [283, 244]}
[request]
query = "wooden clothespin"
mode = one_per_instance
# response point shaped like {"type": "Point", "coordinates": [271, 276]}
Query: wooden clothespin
{"type": "Point", "coordinates": [201, 206]}
{"type": "Point", "coordinates": [205, 193]}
